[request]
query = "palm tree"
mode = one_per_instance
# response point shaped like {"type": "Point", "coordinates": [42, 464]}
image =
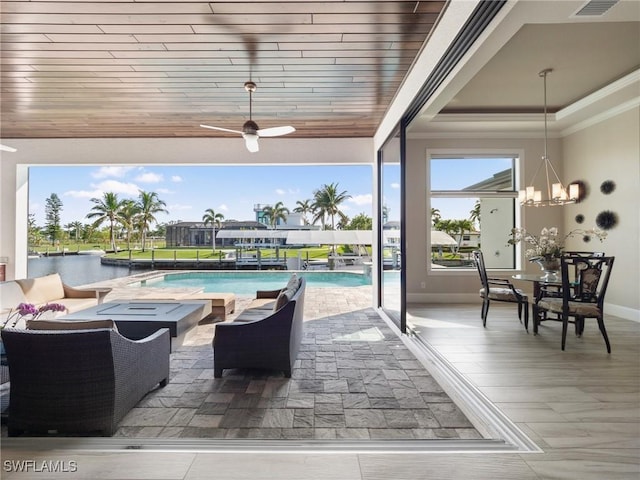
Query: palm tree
{"type": "Point", "coordinates": [463, 226]}
{"type": "Point", "coordinates": [275, 213]}
{"type": "Point", "coordinates": [215, 219]}
{"type": "Point", "coordinates": [327, 202]}
{"type": "Point", "coordinates": [106, 209]}
{"type": "Point", "coordinates": [127, 218]}
{"type": "Point", "coordinates": [474, 215]}
{"type": "Point", "coordinates": [304, 207]}
{"type": "Point", "coordinates": [75, 228]}
{"type": "Point", "coordinates": [149, 204]}
{"type": "Point", "coordinates": [435, 216]}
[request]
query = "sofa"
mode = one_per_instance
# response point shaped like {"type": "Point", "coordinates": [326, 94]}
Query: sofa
{"type": "Point", "coordinates": [265, 335]}
{"type": "Point", "coordinates": [47, 289]}
{"type": "Point", "coordinates": [68, 381]}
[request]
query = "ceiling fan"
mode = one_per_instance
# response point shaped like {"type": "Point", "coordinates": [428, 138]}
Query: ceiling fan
{"type": "Point", "coordinates": [250, 130]}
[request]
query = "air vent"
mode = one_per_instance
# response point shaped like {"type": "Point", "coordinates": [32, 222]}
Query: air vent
{"type": "Point", "coordinates": [595, 8]}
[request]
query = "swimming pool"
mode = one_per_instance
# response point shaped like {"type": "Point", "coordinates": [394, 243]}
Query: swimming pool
{"type": "Point", "coordinates": [246, 283]}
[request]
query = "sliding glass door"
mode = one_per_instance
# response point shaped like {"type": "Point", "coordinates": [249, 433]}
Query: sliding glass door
{"type": "Point", "coordinates": [390, 232]}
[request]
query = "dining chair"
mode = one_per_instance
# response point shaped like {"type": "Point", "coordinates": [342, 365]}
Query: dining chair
{"type": "Point", "coordinates": [500, 290]}
{"type": "Point", "coordinates": [584, 284]}
{"type": "Point", "coordinates": [549, 290]}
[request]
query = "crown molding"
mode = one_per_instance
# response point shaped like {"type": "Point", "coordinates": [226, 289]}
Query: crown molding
{"type": "Point", "coordinates": [599, 95]}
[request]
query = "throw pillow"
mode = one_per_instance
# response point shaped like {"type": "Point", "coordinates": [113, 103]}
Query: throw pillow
{"type": "Point", "coordinates": [70, 325]}
{"type": "Point", "coordinates": [282, 300]}
{"type": "Point", "coordinates": [293, 283]}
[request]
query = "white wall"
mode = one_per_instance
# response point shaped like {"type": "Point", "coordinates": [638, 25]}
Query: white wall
{"type": "Point", "coordinates": [610, 150]}
{"type": "Point", "coordinates": [461, 286]}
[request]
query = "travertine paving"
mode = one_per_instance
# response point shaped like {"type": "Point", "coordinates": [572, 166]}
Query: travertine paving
{"type": "Point", "coordinates": [354, 379]}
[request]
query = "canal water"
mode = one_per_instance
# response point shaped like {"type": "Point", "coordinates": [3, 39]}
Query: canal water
{"type": "Point", "coordinates": [76, 269]}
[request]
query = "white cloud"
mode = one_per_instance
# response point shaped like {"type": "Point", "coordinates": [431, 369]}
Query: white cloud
{"type": "Point", "coordinates": [149, 177]}
{"type": "Point", "coordinates": [395, 185]}
{"type": "Point", "coordinates": [179, 206]}
{"type": "Point", "coordinates": [165, 191]}
{"type": "Point", "coordinates": [115, 186]}
{"type": "Point", "coordinates": [280, 191]}
{"type": "Point", "coordinates": [83, 194]}
{"type": "Point", "coordinates": [365, 199]}
{"type": "Point", "coordinates": [223, 207]}
{"type": "Point", "coordinates": [117, 172]}
{"type": "Point", "coordinates": [176, 178]}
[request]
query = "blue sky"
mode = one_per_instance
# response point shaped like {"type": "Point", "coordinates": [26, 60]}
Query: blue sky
{"type": "Point", "coordinates": [233, 190]}
{"type": "Point", "coordinates": [189, 190]}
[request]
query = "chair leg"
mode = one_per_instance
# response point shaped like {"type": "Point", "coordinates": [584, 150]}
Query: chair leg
{"type": "Point", "coordinates": [604, 333]}
{"type": "Point", "coordinates": [526, 317]}
{"type": "Point", "coordinates": [520, 311]}
{"type": "Point", "coordinates": [536, 318]}
{"type": "Point", "coordinates": [579, 324]}
{"type": "Point", "coordinates": [485, 311]}
{"type": "Point", "coordinates": [565, 327]}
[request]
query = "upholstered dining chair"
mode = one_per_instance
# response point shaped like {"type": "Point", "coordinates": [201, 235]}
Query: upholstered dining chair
{"type": "Point", "coordinates": [500, 290]}
{"type": "Point", "coordinates": [584, 284]}
{"type": "Point", "coordinates": [556, 290]}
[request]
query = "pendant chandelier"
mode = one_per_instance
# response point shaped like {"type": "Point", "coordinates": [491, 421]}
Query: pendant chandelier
{"type": "Point", "coordinates": [557, 193]}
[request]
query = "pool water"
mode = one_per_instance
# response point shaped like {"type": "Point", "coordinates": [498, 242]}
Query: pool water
{"type": "Point", "coordinates": [246, 283]}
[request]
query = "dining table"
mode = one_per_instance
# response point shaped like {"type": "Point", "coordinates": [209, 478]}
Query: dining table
{"type": "Point", "coordinates": [539, 279]}
{"type": "Point", "coordinates": [540, 282]}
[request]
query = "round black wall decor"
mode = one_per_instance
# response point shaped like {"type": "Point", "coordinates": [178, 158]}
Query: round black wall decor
{"type": "Point", "coordinates": [586, 239]}
{"type": "Point", "coordinates": [606, 220]}
{"type": "Point", "coordinates": [583, 189]}
{"type": "Point", "coordinates": [607, 187]}
{"type": "Point", "coordinates": [579, 218]}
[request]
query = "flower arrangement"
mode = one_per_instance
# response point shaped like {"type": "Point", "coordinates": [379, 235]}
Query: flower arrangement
{"type": "Point", "coordinates": [31, 312]}
{"type": "Point", "coordinates": [548, 244]}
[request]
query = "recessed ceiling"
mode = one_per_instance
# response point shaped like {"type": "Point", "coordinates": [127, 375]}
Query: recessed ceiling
{"type": "Point", "coordinates": [585, 57]}
{"type": "Point", "coordinates": [160, 69]}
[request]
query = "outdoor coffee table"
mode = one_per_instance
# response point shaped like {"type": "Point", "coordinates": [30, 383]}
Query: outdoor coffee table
{"type": "Point", "coordinates": [136, 320]}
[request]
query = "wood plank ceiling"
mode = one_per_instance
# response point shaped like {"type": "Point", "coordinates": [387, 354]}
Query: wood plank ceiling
{"type": "Point", "coordinates": [160, 68]}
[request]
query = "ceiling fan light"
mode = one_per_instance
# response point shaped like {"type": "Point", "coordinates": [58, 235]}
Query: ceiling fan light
{"type": "Point", "coordinates": [251, 141]}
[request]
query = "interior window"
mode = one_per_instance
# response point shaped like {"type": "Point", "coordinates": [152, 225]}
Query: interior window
{"type": "Point", "coordinates": [472, 202]}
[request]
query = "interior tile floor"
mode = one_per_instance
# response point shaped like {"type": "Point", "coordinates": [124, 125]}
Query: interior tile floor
{"type": "Point", "coordinates": [580, 406]}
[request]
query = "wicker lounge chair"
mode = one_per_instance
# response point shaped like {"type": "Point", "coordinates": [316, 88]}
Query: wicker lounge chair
{"type": "Point", "coordinates": [80, 381]}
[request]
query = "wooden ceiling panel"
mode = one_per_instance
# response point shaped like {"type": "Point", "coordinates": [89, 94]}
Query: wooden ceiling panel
{"type": "Point", "coordinates": [160, 68]}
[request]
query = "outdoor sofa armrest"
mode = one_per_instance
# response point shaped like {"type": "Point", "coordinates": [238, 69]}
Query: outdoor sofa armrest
{"type": "Point", "coordinates": [143, 362]}
{"type": "Point", "coordinates": [265, 342]}
{"type": "Point", "coordinates": [268, 293]}
{"type": "Point", "coordinates": [72, 292]}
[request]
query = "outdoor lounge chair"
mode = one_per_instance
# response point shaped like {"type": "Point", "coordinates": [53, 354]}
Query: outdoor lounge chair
{"type": "Point", "coordinates": [80, 381]}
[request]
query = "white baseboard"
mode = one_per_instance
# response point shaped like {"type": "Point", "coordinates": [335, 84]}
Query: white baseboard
{"type": "Point", "coordinates": [439, 298]}
{"type": "Point", "coordinates": [622, 312]}
{"type": "Point", "coordinates": [443, 298]}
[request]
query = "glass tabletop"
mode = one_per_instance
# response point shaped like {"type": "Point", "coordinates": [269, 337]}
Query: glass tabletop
{"type": "Point", "coordinates": [539, 278]}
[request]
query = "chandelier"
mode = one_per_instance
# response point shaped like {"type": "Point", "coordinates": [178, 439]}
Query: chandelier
{"type": "Point", "coordinates": [557, 193]}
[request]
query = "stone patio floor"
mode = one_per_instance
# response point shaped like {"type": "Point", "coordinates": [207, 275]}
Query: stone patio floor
{"type": "Point", "coordinates": [354, 379]}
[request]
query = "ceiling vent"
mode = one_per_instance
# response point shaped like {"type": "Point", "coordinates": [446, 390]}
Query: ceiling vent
{"type": "Point", "coordinates": [595, 8]}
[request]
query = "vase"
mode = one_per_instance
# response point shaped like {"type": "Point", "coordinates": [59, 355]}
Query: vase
{"type": "Point", "coordinates": [549, 265]}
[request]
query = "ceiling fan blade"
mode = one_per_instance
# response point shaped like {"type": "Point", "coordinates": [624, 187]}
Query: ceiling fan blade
{"type": "Point", "coordinates": [222, 129]}
{"type": "Point", "coordinates": [276, 131]}
{"type": "Point", "coordinates": [7, 148]}
{"type": "Point", "coordinates": [251, 141]}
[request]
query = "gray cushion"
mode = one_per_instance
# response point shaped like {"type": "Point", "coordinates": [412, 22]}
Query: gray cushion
{"type": "Point", "coordinates": [70, 324]}
{"type": "Point", "coordinates": [575, 308]}
{"type": "Point", "coordinates": [504, 294]}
